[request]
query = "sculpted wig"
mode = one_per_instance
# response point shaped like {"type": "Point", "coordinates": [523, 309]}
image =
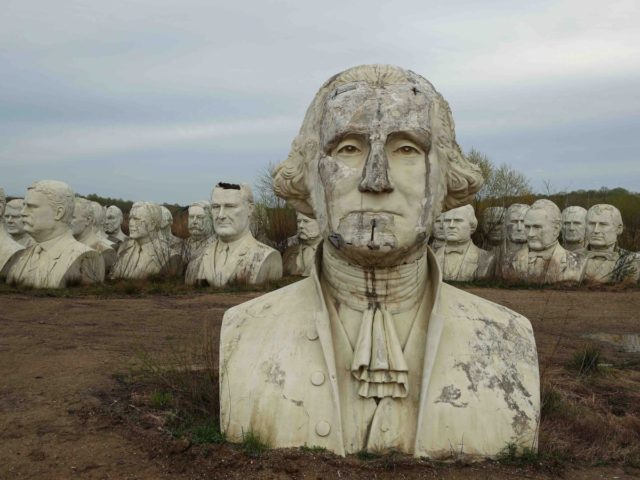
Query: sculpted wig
{"type": "Point", "coordinates": [59, 195]}
{"type": "Point", "coordinates": [459, 181]}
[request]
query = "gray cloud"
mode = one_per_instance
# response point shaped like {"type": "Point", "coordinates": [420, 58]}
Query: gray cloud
{"type": "Point", "coordinates": [160, 99]}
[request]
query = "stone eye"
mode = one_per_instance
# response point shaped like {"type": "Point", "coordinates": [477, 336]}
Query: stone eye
{"type": "Point", "coordinates": [407, 150]}
{"type": "Point", "coordinates": [349, 150]}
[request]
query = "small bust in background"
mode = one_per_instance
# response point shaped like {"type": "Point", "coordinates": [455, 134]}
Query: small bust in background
{"type": "Point", "coordinates": [299, 259]}
{"type": "Point", "coordinates": [515, 260]}
{"type": "Point", "coordinates": [493, 226]}
{"type": "Point", "coordinates": [113, 225]}
{"type": "Point", "coordinates": [8, 246]}
{"type": "Point", "coordinates": [235, 256]}
{"type": "Point", "coordinates": [13, 222]}
{"type": "Point", "coordinates": [85, 226]}
{"type": "Point", "coordinates": [147, 251]}
{"type": "Point", "coordinates": [57, 259]}
{"type": "Point", "coordinates": [574, 228]}
{"type": "Point", "coordinates": [548, 262]}
{"type": "Point", "coordinates": [459, 258]}
{"type": "Point", "coordinates": [439, 235]}
{"type": "Point", "coordinates": [605, 262]}
{"type": "Point", "coordinates": [200, 224]}
{"type": "Point", "coordinates": [175, 243]}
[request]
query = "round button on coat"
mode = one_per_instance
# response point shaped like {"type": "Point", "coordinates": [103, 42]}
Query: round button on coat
{"type": "Point", "coordinates": [323, 428]}
{"type": "Point", "coordinates": [317, 378]}
{"type": "Point", "coordinates": [312, 333]}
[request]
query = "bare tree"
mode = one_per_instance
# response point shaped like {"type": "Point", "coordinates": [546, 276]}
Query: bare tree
{"type": "Point", "coordinates": [500, 183]}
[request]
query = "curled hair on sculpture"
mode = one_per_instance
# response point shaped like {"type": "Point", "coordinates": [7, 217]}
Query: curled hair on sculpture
{"type": "Point", "coordinates": [58, 194]}
{"type": "Point", "coordinates": [453, 179]}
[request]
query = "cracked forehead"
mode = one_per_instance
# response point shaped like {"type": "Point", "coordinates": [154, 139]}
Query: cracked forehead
{"type": "Point", "coordinates": [359, 108]}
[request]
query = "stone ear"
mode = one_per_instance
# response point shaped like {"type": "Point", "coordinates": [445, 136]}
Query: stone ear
{"type": "Point", "coordinates": [59, 215]}
{"type": "Point", "coordinates": [289, 178]}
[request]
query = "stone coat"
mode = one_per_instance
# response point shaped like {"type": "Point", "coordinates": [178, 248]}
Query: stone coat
{"type": "Point", "coordinates": [479, 384]}
{"type": "Point", "coordinates": [618, 265]}
{"type": "Point", "coordinates": [299, 259]}
{"type": "Point", "coordinates": [57, 263]}
{"type": "Point", "coordinates": [8, 248]}
{"type": "Point", "coordinates": [248, 261]}
{"type": "Point", "coordinates": [477, 264]}
{"type": "Point", "coordinates": [563, 266]}
{"type": "Point", "coordinates": [142, 261]}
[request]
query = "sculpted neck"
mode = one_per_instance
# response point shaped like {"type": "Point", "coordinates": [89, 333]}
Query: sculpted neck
{"type": "Point", "coordinates": [460, 243]}
{"type": "Point", "coordinates": [604, 248]}
{"type": "Point", "coordinates": [397, 288]}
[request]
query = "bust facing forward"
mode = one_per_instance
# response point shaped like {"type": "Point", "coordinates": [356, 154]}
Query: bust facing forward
{"type": "Point", "coordinates": [459, 258]}
{"type": "Point", "coordinates": [299, 258]}
{"type": "Point", "coordinates": [235, 256]}
{"type": "Point", "coordinates": [57, 259]}
{"type": "Point", "coordinates": [372, 351]}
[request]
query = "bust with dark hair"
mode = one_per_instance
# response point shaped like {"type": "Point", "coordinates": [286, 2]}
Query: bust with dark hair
{"type": "Point", "coordinates": [372, 351]}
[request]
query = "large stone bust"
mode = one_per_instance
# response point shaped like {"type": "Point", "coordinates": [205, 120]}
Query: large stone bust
{"type": "Point", "coordinates": [57, 259]}
{"type": "Point", "coordinates": [373, 351]}
{"type": "Point", "coordinates": [604, 261]}
{"type": "Point", "coordinates": [85, 226]}
{"type": "Point", "coordinates": [235, 256]}
{"type": "Point", "coordinates": [299, 258]}
{"type": "Point", "coordinates": [8, 246]}
{"type": "Point", "coordinates": [13, 222]}
{"type": "Point", "coordinates": [147, 252]}
{"type": "Point", "coordinates": [200, 224]}
{"type": "Point", "coordinates": [459, 258]}
{"type": "Point", "coordinates": [547, 261]}
{"type": "Point", "coordinates": [113, 225]}
{"type": "Point", "coordinates": [574, 228]}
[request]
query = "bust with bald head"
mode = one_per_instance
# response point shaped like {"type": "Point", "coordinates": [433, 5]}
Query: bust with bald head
{"type": "Point", "coordinates": [57, 259]}
{"type": "Point", "coordinates": [605, 261]}
{"type": "Point", "coordinates": [8, 246]}
{"type": "Point", "coordinates": [375, 162]}
{"type": "Point", "coordinates": [459, 258]}
{"type": "Point", "coordinates": [235, 256]}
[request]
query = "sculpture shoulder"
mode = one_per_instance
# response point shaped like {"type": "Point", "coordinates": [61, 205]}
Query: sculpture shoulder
{"type": "Point", "coordinates": [457, 305]}
{"type": "Point", "coordinates": [300, 297]}
{"type": "Point", "coordinates": [264, 250]}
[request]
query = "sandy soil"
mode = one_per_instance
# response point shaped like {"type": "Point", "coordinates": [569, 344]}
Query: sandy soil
{"type": "Point", "coordinates": [58, 358]}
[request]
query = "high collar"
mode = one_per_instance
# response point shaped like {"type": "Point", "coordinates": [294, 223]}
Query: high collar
{"type": "Point", "coordinates": [397, 288]}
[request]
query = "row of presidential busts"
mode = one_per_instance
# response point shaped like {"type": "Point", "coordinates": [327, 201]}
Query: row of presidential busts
{"type": "Point", "coordinates": [52, 239]}
{"type": "Point", "coordinates": [525, 245]}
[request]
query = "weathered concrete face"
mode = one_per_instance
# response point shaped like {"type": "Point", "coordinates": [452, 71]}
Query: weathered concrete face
{"type": "Point", "coordinates": [574, 225]}
{"type": "Point", "coordinates": [113, 220]}
{"type": "Point", "coordinates": [542, 231]}
{"type": "Point", "coordinates": [82, 217]}
{"type": "Point", "coordinates": [308, 228]}
{"type": "Point", "coordinates": [200, 222]}
{"type": "Point", "coordinates": [603, 227]}
{"type": "Point", "coordinates": [493, 224]}
{"type": "Point", "coordinates": [516, 232]}
{"type": "Point", "coordinates": [47, 215]}
{"type": "Point", "coordinates": [439, 231]}
{"type": "Point", "coordinates": [13, 217]}
{"type": "Point", "coordinates": [231, 214]}
{"type": "Point", "coordinates": [141, 223]}
{"type": "Point", "coordinates": [373, 168]}
{"type": "Point", "coordinates": [460, 223]}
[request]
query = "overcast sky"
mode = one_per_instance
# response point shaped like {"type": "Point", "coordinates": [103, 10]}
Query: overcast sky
{"type": "Point", "coordinates": [158, 100]}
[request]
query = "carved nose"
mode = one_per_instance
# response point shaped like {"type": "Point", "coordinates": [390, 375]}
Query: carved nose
{"type": "Point", "coordinates": [375, 177]}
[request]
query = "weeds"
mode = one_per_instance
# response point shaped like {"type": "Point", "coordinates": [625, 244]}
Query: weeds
{"type": "Point", "coordinates": [513, 454]}
{"type": "Point", "coordinates": [160, 400]}
{"type": "Point", "coordinates": [586, 360]}
{"type": "Point", "coordinates": [313, 449]}
{"type": "Point", "coordinates": [252, 445]}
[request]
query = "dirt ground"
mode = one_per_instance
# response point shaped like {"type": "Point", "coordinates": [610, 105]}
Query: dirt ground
{"type": "Point", "coordinates": [58, 358]}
